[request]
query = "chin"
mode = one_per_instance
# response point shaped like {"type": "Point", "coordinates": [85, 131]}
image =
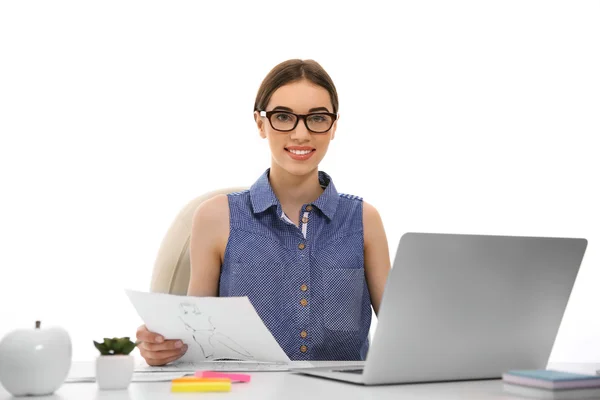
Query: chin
{"type": "Point", "coordinates": [298, 169]}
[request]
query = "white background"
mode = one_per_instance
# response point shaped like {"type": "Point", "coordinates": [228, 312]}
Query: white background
{"type": "Point", "coordinates": [461, 116]}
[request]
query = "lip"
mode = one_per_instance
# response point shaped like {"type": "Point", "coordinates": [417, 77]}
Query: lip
{"type": "Point", "coordinates": [299, 157]}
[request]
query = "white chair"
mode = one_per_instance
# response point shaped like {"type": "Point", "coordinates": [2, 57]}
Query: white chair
{"type": "Point", "coordinates": [171, 273]}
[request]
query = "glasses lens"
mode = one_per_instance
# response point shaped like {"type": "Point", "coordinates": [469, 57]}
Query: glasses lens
{"type": "Point", "coordinates": [283, 121]}
{"type": "Point", "coordinates": [319, 122]}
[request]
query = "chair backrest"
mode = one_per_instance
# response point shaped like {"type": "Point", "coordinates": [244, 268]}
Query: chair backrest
{"type": "Point", "coordinates": [171, 273]}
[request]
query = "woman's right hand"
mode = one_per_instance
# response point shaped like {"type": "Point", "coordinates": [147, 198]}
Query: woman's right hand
{"type": "Point", "coordinates": [156, 350]}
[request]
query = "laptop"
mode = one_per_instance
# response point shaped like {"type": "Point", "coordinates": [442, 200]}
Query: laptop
{"type": "Point", "coordinates": [466, 307]}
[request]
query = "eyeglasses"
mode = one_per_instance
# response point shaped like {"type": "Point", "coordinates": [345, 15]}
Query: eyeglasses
{"type": "Point", "coordinates": [284, 121]}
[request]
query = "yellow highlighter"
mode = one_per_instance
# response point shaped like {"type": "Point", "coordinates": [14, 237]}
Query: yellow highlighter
{"type": "Point", "coordinates": [199, 379]}
{"type": "Point", "coordinates": [193, 384]}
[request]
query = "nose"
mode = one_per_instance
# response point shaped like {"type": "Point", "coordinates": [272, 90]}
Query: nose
{"type": "Point", "coordinates": [300, 133]}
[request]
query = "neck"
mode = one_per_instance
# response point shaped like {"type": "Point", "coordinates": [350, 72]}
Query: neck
{"type": "Point", "coordinates": [294, 189]}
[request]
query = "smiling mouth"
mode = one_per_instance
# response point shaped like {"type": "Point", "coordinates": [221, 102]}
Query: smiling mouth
{"type": "Point", "coordinates": [300, 152]}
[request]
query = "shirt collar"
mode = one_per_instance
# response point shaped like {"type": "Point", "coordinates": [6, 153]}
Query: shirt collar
{"type": "Point", "coordinates": [262, 196]}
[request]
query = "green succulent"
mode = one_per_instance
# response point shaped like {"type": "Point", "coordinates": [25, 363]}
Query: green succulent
{"type": "Point", "coordinates": [115, 346]}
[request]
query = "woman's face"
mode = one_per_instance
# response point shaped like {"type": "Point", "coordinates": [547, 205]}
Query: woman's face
{"type": "Point", "coordinates": [298, 151]}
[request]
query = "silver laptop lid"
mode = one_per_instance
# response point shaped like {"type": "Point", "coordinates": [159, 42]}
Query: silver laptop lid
{"type": "Point", "coordinates": [471, 306]}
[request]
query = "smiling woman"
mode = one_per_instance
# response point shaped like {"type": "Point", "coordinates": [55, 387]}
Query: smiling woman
{"type": "Point", "coordinates": [312, 261]}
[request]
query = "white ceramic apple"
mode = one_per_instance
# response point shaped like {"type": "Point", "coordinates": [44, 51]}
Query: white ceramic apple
{"type": "Point", "coordinates": [35, 362]}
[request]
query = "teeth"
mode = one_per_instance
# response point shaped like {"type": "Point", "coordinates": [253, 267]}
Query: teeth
{"type": "Point", "coordinates": [301, 152]}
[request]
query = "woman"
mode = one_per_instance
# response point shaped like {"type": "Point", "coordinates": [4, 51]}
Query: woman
{"type": "Point", "coordinates": [312, 261]}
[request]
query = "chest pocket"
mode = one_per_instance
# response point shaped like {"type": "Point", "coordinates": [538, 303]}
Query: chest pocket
{"type": "Point", "coordinates": [341, 265]}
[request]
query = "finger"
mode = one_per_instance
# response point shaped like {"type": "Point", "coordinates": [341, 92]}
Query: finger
{"type": "Point", "coordinates": [161, 355]}
{"type": "Point", "coordinates": [167, 345]}
{"type": "Point", "coordinates": [144, 335]}
{"type": "Point", "coordinates": [157, 363]}
{"type": "Point", "coordinates": [160, 360]}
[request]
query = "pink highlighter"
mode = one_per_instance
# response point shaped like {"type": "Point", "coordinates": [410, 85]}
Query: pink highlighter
{"type": "Point", "coordinates": [214, 374]}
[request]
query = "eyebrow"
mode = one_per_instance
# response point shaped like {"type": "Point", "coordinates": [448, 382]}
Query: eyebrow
{"type": "Point", "coordinates": [316, 109]}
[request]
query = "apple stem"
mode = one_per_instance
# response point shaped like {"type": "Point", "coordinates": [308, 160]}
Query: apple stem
{"type": "Point", "coordinates": [37, 324]}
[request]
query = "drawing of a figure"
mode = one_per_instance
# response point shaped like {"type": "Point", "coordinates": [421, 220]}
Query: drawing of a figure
{"type": "Point", "coordinates": [205, 334]}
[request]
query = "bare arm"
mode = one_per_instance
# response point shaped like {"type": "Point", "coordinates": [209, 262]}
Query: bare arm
{"type": "Point", "coordinates": [377, 256]}
{"type": "Point", "coordinates": [210, 232]}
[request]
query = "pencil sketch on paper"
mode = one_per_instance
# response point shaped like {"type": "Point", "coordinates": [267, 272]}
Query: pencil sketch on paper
{"type": "Point", "coordinates": [206, 335]}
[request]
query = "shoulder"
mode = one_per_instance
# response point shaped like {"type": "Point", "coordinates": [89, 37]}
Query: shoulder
{"type": "Point", "coordinates": [212, 212]}
{"type": "Point", "coordinates": [370, 213]}
{"type": "Point", "coordinates": [371, 216]}
{"type": "Point", "coordinates": [372, 223]}
{"type": "Point", "coordinates": [210, 225]}
{"type": "Point", "coordinates": [349, 205]}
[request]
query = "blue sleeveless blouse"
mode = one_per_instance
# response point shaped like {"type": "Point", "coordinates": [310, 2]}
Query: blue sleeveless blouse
{"type": "Point", "coordinates": [306, 282]}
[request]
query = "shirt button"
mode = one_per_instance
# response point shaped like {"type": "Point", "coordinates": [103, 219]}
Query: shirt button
{"type": "Point", "coordinates": [303, 334]}
{"type": "Point", "coordinates": [304, 288]}
{"type": "Point", "coordinates": [303, 348]}
{"type": "Point", "coordinates": [301, 246]}
{"type": "Point", "coordinates": [303, 302]}
{"type": "Point", "coordinates": [309, 208]}
{"type": "Point", "coordinates": [304, 219]}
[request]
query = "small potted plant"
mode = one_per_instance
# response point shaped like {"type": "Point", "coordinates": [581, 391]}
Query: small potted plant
{"type": "Point", "coordinates": [114, 365]}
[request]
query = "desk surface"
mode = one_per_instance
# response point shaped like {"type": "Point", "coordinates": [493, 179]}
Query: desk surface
{"type": "Point", "coordinates": [283, 385]}
{"type": "Point", "coordinates": [287, 386]}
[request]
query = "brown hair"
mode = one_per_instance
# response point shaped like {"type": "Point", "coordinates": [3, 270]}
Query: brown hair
{"type": "Point", "coordinates": [291, 71]}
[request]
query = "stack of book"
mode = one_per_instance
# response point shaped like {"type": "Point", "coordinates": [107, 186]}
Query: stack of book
{"type": "Point", "coordinates": [549, 384]}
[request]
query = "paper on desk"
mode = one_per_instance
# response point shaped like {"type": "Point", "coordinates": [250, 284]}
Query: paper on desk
{"type": "Point", "coordinates": [223, 366]}
{"type": "Point", "coordinates": [213, 327]}
{"type": "Point", "coordinates": [137, 377]}
{"type": "Point", "coordinates": [244, 366]}
{"type": "Point", "coordinates": [85, 371]}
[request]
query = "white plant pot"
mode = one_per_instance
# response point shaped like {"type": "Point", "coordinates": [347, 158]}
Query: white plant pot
{"type": "Point", "coordinates": [114, 372]}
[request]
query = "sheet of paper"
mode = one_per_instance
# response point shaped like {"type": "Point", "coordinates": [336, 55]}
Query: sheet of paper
{"type": "Point", "coordinates": [85, 371]}
{"type": "Point", "coordinates": [137, 377]}
{"type": "Point", "coordinates": [244, 366]}
{"type": "Point", "coordinates": [213, 327]}
{"type": "Point", "coordinates": [223, 366]}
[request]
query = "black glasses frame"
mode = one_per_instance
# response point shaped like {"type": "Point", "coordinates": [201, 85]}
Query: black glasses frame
{"type": "Point", "coordinates": [268, 114]}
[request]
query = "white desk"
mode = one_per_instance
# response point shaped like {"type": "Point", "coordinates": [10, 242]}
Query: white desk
{"type": "Point", "coordinates": [287, 386]}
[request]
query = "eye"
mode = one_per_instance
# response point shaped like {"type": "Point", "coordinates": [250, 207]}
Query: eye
{"type": "Point", "coordinates": [317, 118]}
{"type": "Point", "coordinates": [283, 117]}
